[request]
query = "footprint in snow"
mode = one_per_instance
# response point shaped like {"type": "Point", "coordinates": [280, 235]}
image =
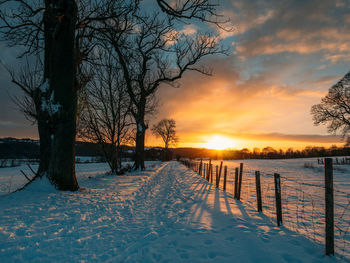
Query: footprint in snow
{"type": "Point", "coordinates": [184, 255]}
{"type": "Point", "coordinates": [211, 254]}
{"type": "Point", "coordinates": [230, 239]}
{"type": "Point", "coordinates": [151, 236]}
{"type": "Point", "coordinates": [291, 259]}
{"type": "Point", "coordinates": [265, 238]}
{"type": "Point", "coordinates": [208, 242]}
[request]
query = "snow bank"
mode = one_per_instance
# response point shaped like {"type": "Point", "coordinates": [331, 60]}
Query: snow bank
{"type": "Point", "coordinates": [40, 185]}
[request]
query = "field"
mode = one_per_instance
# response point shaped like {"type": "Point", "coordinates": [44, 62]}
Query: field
{"type": "Point", "coordinates": [11, 178]}
{"type": "Point", "coordinates": [164, 214]}
{"type": "Point", "coordinates": [303, 195]}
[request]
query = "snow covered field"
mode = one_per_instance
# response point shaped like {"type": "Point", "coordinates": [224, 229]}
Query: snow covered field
{"type": "Point", "coordinates": [303, 195]}
{"type": "Point", "coordinates": [11, 178]}
{"type": "Point", "coordinates": [165, 214]}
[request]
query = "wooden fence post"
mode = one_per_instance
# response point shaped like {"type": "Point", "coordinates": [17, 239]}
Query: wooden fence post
{"type": "Point", "coordinates": [240, 181]}
{"type": "Point", "coordinates": [217, 177]}
{"type": "Point", "coordinates": [328, 170]}
{"type": "Point", "coordinates": [208, 172]}
{"type": "Point", "coordinates": [211, 173]}
{"type": "Point", "coordinates": [225, 176]}
{"type": "Point", "coordinates": [258, 190]}
{"type": "Point", "coordinates": [220, 170]}
{"type": "Point", "coordinates": [236, 182]}
{"type": "Point", "coordinates": [278, 198]}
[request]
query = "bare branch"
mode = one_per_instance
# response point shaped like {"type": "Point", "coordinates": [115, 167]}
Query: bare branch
{"type": "Point", "coordinates": [334, 109]}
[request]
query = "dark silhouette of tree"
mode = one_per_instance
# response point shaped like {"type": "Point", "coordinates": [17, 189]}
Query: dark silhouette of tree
{"type": "Point", "coordinates": [334, 109]}
{"type": "Point", "coordinates": [64, 33]}
{"type": "Point", "coordinates": [165, 129]}
{"type": "Point", "coordinates": [29, 80]}
{"type": "Point", "coordinates": [105, 118]}
{"type": "Point", "coordinates": [61, 31]}
{"type": "Point", "coordinates": [154, 55]}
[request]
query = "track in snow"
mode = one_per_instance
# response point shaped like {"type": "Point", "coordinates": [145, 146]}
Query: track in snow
{"type": "Point", "coordinates": [165, 214]}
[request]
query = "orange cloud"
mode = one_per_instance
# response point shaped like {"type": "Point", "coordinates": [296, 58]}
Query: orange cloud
{"type": "Point", "coordinates": [231, 104]}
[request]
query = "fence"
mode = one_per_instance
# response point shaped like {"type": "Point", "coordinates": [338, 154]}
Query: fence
{"type": "Point", "coordinates": [318, 212]}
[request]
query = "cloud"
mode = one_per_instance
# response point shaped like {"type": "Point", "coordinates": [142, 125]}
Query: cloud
{"type": "Point", "coordinates": [310, 138]}
{"type": "Point", "coordinates": [232, 101]}
{"type": "Point", "coordinates": [189, 30]}
{"type": "Point", "coordinates": [300, 27]}
{"type": "Point", "coordinates": [286, 56]}
{"type": "Point", "coordinates": [326, 80]}
{"type": "Point", "coordinates": [243, 16]}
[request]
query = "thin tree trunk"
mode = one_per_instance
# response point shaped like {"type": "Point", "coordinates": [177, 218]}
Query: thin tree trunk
{"type": "Point", "coordinates": [119, 153]}
{"type": "Point", "coordinates": [114, 159]}
{"type": "Point", "coordinates": [140, 146]}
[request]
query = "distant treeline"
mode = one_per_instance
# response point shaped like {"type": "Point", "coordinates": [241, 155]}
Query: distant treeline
{"type": "Point", "coordinates": [13, 148]}
{"type": "Point", "coordinates": [265, 153]}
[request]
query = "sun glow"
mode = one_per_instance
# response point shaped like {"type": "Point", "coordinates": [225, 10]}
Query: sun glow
{"type": "Point", "coordinates": [218, 142]}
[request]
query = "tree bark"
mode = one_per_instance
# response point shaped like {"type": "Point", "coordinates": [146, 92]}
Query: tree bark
{"type": "Point", "coordinates": [61, 16]}
{"type": "Point", "coordinates": [140, 144]}
{"type": "Point", "coordinates": [111, 155]}
{"type": "Point", "coordinates": [45, 148]}
{"type": "Point", "coordinates": [43, 120]}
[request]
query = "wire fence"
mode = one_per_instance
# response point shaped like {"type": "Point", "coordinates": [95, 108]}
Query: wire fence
{"type": "Point", "coordinates": [303, 204]}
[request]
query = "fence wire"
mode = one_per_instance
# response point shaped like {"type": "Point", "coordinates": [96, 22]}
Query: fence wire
{"type": "Point", "coordinates": [303, 204]}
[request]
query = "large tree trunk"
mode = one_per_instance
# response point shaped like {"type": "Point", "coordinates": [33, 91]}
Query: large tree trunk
{"type": "Point", "coordinates": [140, 145]}
{"type": "Point", "coordinates": [43, 119]}
{"type": "Point", "coordinates": [60, 19]}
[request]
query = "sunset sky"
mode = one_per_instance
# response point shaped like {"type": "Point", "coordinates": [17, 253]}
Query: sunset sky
{"type": "Point", "coordinates": [284, 57]}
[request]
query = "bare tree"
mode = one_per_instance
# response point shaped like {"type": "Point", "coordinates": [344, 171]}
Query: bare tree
{"type": "Point", "coordinates": [106, 117]}
{"type": "Point", "coordinates": [30, 80]}
{"type": "Point", "coordinates": [165, 129]}
{"type": "Point", "coordinates": [63, 30]}
{"type": "Point", "coordinates": [334, 109]}
{"type": "Point", "coordinates": [155, 54]}
{"type": "Point", "coordinates": [203, 10]}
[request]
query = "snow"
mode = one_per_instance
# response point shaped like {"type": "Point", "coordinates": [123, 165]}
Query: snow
{"type": "Point", "coordinates": [45, 86]}
{"type": "Point", "coordinates": [164, 214]}
{"type": "Point", "coordinates": [303, 196]}
{"type": "Point", "coordinates": [139, 127]}
{"type": "Point", "coordinates": [49, 106]}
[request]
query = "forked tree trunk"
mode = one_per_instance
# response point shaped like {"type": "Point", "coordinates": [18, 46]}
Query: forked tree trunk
{"type": "Point", "coordinates": [60, 20]}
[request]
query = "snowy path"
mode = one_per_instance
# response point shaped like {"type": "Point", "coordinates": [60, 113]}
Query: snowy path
{"type": "Point", "coordinates": [166, 214]}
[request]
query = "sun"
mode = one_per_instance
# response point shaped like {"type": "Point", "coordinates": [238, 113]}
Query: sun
{"type": "Point", "coordinates": [219, 142]}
